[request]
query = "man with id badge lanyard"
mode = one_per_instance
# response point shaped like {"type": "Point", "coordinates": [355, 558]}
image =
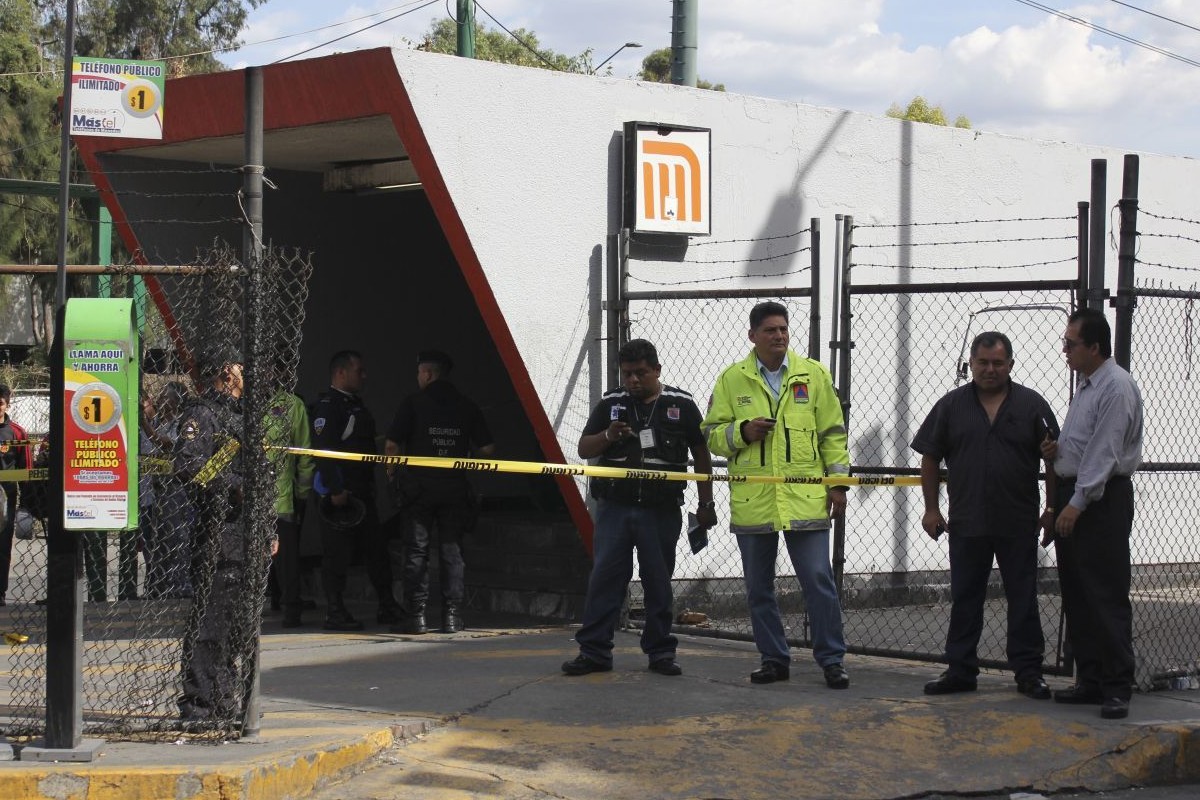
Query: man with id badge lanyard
{"type": "Point", "coordinates": [775, 413]}
{"type": "Point", "coordinates": [644, 424]}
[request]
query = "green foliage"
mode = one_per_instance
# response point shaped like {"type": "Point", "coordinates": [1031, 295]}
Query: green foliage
{"type": "Point", "coordinates": [497, 45]}
{"type": "Point", "coordinates": [919, 110]}
{"type": "Point", "coordinates": [656, 67]}
{"type": "Point", "coordinates": [154, 29]}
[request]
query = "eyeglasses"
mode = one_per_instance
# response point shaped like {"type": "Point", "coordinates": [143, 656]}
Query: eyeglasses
{"type": "Point", "coordinates": [1068, 344]}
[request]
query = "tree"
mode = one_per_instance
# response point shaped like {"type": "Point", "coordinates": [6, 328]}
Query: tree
{"type": "Point", "coordinates": [919, 110]}
{"type": "Point", "coordinates": [155, 29]}
{"type": "Point", "coordinates": [31, 42]}
{"type": "Point", "coordinates": [656, 67]}
{"type": "Point", "coordinates": [496, 45]}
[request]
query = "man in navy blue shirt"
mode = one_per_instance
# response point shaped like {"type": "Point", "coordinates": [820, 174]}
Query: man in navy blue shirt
{"type": "Point", "coordinates": [989, 433]}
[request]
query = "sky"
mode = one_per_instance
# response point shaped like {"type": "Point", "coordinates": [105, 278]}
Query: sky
{"type": "Point", "coordinates": [1008, 67]}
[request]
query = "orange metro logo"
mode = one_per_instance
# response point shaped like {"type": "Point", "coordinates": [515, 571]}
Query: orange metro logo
{"type": "Point", "coordinates": [672, 182]}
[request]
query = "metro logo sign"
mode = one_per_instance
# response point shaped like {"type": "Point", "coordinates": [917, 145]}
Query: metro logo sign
{"type": "Point", "coordinates": [667, 179]}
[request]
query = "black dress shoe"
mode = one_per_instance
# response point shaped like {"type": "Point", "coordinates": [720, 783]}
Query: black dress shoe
{"type": "Point", "coordinates": [666, 666]}
{"type": "Point", "coordinates": [836, 677]}
{"type": "Point", "coordinates": [1079, 695]}
{"type": "Point", "coordinates": [1114, 708]}
{"type": "Point", "coordinates": [1034, 687]}
{"type": "Point", "coordinates": [769, 672]}
{"type": "Point", "coordinates": [950, 684]}
{"type": "Point", "coordinates": [387, 615]}
{"type": "Point", "coordinates": [582, 665]}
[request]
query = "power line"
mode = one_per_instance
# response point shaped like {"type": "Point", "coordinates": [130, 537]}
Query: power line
{"type": "Point", "coordinates": [1106, 31]}
{"type": "Point", "coordinates": [1159, 16]}
{"type": "Point", "coordinates": [519, 40]}
{"type": "Point", "coordinates": [353, 32]}
{"type": "Point", "coordinates": [244, 45]}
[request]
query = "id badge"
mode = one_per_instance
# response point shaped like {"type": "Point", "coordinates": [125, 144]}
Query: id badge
{"type": "Point", "coordinates": [646, 437]}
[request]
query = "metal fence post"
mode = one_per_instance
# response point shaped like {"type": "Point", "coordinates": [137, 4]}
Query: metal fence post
{"type": "Point", "coordinates": [814, 303]}
{"type": "Point", "coordinates": [844, 344]}
{"type": "Point", "coordinates": [1125, 299]}
{"type": "Point", "coordinates": [1095, 286]}
{"type": "Point", "coordinates": [252, 424]}
{"type": "Point", "coordinates": [1082, 258]}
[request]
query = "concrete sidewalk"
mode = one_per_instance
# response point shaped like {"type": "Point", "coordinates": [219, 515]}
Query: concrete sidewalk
{"type": "Point", "coordinates": [488, 711]}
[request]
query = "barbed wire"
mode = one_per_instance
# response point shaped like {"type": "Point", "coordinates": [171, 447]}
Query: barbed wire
{"type": "Point", "coordinates": [710, 242]}
{"type": "Point", "coordinates": [1144, 212]}
{"type": "Point", "coordinates": [77, 217]}
{"type": "Point", "coordinates": [856, 226]}
{"type": "Point", "coordinates": [855, 245]}
{"type": "Point", "coordinates": [797, 271]}
{"type": "Point", "coordinates": [1169, 236]}
{"type": "Point", "coordinates": [1165, 266]}
{"type": "Point", "coordinates": [1070, 259]}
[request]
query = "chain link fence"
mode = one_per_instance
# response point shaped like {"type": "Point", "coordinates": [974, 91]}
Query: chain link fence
{"type": "Point", "coordinates": [174, 608]}
{"type": "Point", "coordinates": [696, 340]}
{"type": "Point", "coordinates": [908, 343]}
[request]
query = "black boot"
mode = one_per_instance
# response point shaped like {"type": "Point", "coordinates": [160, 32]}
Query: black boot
{"type": "Point", "coordinates": [413, 621]}
{"type": "Point", "coordinates": [452, 621]}
{"type": "Point", "coordinates": [337, 618]}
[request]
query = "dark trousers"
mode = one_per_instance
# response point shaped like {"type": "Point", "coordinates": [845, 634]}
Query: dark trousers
{"type": "Point", "coordinates": [620, 528]}
{"type": "Point", "coordinates": [1094, 573]}
{"type": "Point", "coordinates": [6, 535]}
{"type": "Point", "coordinates": [285, 566]}
{"type": "Point", "coordinates": [970, 569]}
{"type": "Point", "coordinates": [446, 524]}
{"type": "Point", "coordinates": [339, 547]}
{"type": "Point", "coordinates": [211, 678]}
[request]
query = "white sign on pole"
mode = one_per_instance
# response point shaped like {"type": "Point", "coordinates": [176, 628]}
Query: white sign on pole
{"type": "Point", "coordinates": [117, 97]}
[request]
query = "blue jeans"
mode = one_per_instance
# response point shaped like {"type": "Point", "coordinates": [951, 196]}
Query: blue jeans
{"type": "Point", "coordinates": [654, 531]}
{"type": "Point", "coordinates": [809, 551]}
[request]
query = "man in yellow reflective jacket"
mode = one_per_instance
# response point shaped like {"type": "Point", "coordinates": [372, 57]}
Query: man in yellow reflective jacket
{"type": "Point", "coordinates": [775, 413]}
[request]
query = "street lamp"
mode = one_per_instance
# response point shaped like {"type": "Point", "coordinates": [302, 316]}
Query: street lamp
{"type": "Point", "coordinates": [596, 68]}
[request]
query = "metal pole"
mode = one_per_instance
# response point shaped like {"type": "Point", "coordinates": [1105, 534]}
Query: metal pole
{"type": "Point", "coordinates": [814, 316]}
{"type": "Point", "coordinates": [1096, 291]}
{"type": "Point", "coordinates": [838, 232]}
{"type": "Point", "coordinates": [684, 40]}
{"type": "Point", "coordinates": [466, 28]}
{"type": "Point", "coordinates": [64, 553]}
{"type": "Point", "coordinates": [843, 378]}
{"type": "Point", "coordinates": [1082, 258]}
{"type": "Point", "coordinates": [252, 183]}
{"type": "Point", "coordinates": [1126, 260]}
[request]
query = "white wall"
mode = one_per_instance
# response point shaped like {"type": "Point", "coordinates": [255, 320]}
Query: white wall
{"type": "Point", "coordinates": [532, 160]}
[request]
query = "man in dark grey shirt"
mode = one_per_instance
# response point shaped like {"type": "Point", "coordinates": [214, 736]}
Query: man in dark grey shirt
{"type": "Point", "coordinates": [1098, 451]}
{"type": "Point", "coordinates": [989, 434]}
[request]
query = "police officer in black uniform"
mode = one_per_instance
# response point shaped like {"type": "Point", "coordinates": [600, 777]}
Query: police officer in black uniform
{"type": "Point", "coordinates": [206, 460]}
{"type": "Point", "coordinates": [439, 421]}
{"type": "Point", "coordinates": [341, 421]}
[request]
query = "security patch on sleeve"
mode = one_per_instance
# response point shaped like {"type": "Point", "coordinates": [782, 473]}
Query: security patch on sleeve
{"type": "Point", "coordinates": [319, 425]}
{"type": "Point", "coordinates": [673, 413]}
{"type": "Point", "coordinates": [190, 429]}
{"type": "Point", "coordinates": [616, 411]}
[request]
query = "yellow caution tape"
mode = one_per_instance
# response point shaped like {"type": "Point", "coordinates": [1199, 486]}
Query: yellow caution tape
{"type": "Point", "coordinates": [217, 462]}
{"type": "Point", "coordinates": [39, 474]}
{"type": "Point", "coordinates": [147, 466]}
{"type": "Point", "coordinates": [538, 468]}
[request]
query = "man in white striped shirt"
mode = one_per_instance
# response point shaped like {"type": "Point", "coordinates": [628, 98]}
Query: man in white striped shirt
{"type": "Point", "coordinates": [1098, 450]}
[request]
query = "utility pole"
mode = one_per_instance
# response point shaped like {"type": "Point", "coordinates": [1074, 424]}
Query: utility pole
{"type": "Point", "coordinates": [684, 40]}
{"type": "Point", "coordinates": [466, 28]}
